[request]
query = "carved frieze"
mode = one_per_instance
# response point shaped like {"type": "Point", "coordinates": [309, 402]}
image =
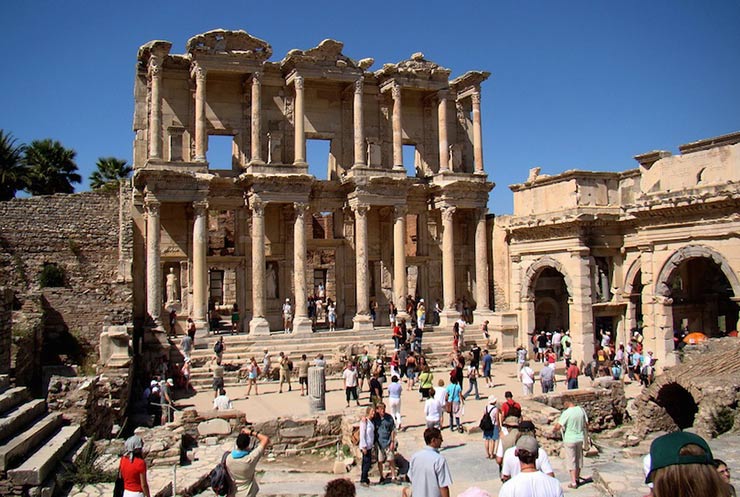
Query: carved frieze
{"type": "Point", "coordinates": [236, 43]}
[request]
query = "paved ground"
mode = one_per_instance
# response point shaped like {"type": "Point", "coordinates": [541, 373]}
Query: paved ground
{"type": "Point", "coordinates": [617, 472]}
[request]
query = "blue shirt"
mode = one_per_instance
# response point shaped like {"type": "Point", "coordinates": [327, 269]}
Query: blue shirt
{"type": "Point", "coordinates": [384, 428]}
{"type": "Point", "coordinates": [453, 392]}
{"type": "Point", "coordinates": [487, 361]}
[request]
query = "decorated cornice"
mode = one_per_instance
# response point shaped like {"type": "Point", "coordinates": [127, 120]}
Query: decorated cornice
{"type": "Point", "coordinates": [416, 67]}
{"type": "Point", "coordinates": [234, 43]}
{"type": "Point", "coordinates": [326, 54]}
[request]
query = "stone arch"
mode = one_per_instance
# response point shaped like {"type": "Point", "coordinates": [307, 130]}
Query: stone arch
{"type": "Point", "coordinates": [678, 403]}
{"type": "Point", "coordinates": [692, 252]}
{"type": "Point", "coordinates": [629, 279]}
{"type": "Point", "coordinates": [534, 270]}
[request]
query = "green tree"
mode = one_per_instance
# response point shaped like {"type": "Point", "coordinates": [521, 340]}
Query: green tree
{"type": "Point", "coordinates": [13, 171]}
{"type": "Point", "coordinates": [110, 171]}
{"type": "Point", "coordinates": [51, 168]}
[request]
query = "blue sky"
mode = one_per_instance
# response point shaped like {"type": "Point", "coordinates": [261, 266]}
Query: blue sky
{"type": "Point", "coordinates": [574, 85]}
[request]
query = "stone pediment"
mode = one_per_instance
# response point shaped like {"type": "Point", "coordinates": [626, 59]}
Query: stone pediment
{"type": "Point", "coordinates": [416, 67]}
{"type": "Point", "coordinates": [226, 42]}
{"type": "Point", "coordinates": [328, 54]}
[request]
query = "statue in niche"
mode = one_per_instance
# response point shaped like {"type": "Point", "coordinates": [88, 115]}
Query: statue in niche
{"type": "Point", "coordinates": [271, 280]}
{"type": "Point", "coordinates": [374, 157]}
{"type": "Point", "coordinates": [171, 287]}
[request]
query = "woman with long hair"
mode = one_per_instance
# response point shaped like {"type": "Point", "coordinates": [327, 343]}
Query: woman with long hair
{"type": "Point", "coordinates": [132, 468]}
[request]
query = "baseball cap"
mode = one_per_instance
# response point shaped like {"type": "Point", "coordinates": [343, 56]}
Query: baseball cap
{"type": "Point", "coordinates": [665, 451]}
{"type": "Point", "coordinates": [528, 443]}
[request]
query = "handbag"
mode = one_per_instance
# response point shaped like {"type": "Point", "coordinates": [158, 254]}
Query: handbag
{"type": "Point", "coordinates": [448, 406]}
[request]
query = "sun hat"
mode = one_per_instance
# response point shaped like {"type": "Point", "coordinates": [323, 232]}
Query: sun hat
{"type": "Point", "coordinates": [665, 451]}
{"type": "Point", "coordinates": [528, 443]}
{"type": "Point", "coordinates": [170, 382]}
{"type": "Point", "coordinates": [492, 399]}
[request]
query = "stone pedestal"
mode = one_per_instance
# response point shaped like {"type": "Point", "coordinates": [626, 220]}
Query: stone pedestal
{"type": "Point", "coordinates": [447, 318]}
{"type": "Point", "coordinates": [302, 326]}
{"type": "Point", "coordinates": [362, 322]}
{"type": "Point", "coordinates": [317, 388]}
{"type": "Point", "coordinates": [114, 342]}
{"type": "Point", "coordinates": [259, 326]}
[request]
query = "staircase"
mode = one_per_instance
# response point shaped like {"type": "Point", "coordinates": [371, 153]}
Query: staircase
{"type": "Point", "coordinates": [239, 348]}
{"type": "Point", "coordinates": [32, 442]}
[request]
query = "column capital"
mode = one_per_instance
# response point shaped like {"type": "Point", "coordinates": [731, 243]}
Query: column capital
{"type": "Point", "coordinates": [448, 212]}
{"type": "Point", "coordinates": [359, 85]}
{"type": "Point", "coordinates": [200, 207]}
{"type": "Point", "coordinates": [155, 65]}
{"type": "Point", "coordinates": [400, 211]}
{"type": "Point", "coordinates": [301, 208]}
{"type": "Point", "coordinates": [475, 97]}
{"type": "Point", "coordinates": [443, 95]}
{"type": "Point", "coordinates": [198, 72]}
{"type": "Point", "coordinates": [299, 82]}
{"type": "Point", "coordinates": [396, 91]}
{"type": "Point", "coordinates": [256, 78]}
{"type": "Point", "coordinates": [152, 206]}
{"type": "Point", "coordinates": [360, 209]}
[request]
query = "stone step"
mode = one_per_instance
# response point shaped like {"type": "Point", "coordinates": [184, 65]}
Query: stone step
{"type": "Point", "coordinates": [36, 468]}
{"type": "Point", "coordinates": [14, 421]}
{"type": "Point", "coordinates": [16, 448]}
{"type": "Point", "coordinates": [13, 397]}
{"type": "Point", "coordinates": [4, 382]}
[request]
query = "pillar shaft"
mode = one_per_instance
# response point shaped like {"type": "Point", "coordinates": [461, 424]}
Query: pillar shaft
{"type": "Point", "coordinates": [155, 108]}
{"type": "Point", "coordinates": [477, 135]}
{"type": "Point", "coordinates": [300, 133]}
{"type": "Point", "coordinates": [201, 136]}
{"type": "Point", "coordinates": [448, 257]}
{"type": "Point", "coordinates": [397, 128]}
{"type": "Point", "coordinates": [481, 262]}
{"type": "Point", "coordinates": [200, 265]}
{"type": "Point", "coordinates": [257, 118]}
{"type": "Point", "coordinates": [299, 259]}
{"type": "Point", "coordinates": [258, 259]}
{"type": "Point", "coordinates": [363, 304]}
{"type": "Point", "coordinates": [359, 131]}
{"type": "Point", "coordinates": [444, 155]}
{"type": "Point", "coordinates": [153, 271]}
{"type": "Point", "coordinates": [400, 283]}
{"type": "Point", "coordinates": [581, 306]}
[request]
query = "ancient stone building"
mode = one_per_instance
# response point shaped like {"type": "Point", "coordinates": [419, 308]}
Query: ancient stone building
{"type": "Point", "coordinates": [258, 229]}
{"type": "Point", "coordinates": [655, 248]}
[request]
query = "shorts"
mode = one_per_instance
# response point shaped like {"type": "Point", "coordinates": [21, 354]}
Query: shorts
{"type": "Point", "coordinates": [491, 435]}
{"type": "Point", "coordinates": [218, 382]}
{"type": "Point", "coordinates": [573, 455]}
{"type": "Point", "coordinates": [384, 455]}
{"type": "Point", "coordinates": [303, 380]}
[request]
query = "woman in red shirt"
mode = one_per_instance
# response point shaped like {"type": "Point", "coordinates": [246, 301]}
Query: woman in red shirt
{"type": "Point", "coordinates": [133, 469]}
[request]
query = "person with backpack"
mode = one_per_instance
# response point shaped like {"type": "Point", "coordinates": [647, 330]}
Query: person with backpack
{"type": "Point", "coordinates": [218, 349]}
{"type": "Point", "coordinates": [490, 424]}
{"type": "Point", "coordinates": [241, 463]}
{"type": "Point", "coordinates": [511, 408]}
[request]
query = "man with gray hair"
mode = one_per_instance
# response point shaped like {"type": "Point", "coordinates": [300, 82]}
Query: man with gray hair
{"type": "Point", "coordinates": [573, 423]}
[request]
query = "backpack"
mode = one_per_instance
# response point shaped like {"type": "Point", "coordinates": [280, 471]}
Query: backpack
{"type": "Point", "coordinates": [515, 410]}
{"type": "Point", "coordinates": [485, 422]}
{"type": "Point", "coordinates": [219, 477]}
{"type": "Point", "coordinates": [218, 348]}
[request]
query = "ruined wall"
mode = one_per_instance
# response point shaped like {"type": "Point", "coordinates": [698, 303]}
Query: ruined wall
{"type": "Point", "coordinates": [80, 233]}
{"type": "Point", "coordinates": [605, 403]}
{"type": "Point", "coordinates": [6, 322]}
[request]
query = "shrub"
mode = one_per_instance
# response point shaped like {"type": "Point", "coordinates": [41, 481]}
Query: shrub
{"type": "Point", "coordinates": [52, 275]}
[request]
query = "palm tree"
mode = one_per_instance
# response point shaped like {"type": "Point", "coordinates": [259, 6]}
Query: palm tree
{"type": "Point", "coordinates": [13, 171]}
{"type": "Point", "coordinates": [110, 171]}
{"type": "Point", "coordinates": [51, 168]}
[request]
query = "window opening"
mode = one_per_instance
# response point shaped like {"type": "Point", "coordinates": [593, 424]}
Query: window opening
{"type": "Point", "coordinates": [220, 153]}
{"type": "Point", "coordinates": [317, 155]}
{"type": "Point", "coordinates": [410, 158]}
{"type": "Point", "coordinates": [216, 287]}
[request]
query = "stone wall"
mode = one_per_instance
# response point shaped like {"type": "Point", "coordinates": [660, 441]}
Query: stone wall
{"type": "Point", "coordinates": [81, 234]}
{"type": "Point", "coordinates": [6, 328]}
{"type": "Point", "coordinates": [604, 403]}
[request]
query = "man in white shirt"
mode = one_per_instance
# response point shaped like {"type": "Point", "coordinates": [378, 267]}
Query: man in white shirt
{"type": "Point", "coordinates": [350, 382]}
{"type": "Point", "coordinates": [556, 345]}
{"type": "Point", "coordinates": [461, 323]}
{"type": "Point", "coordinates": [287, 316]}
{"type": "Point", "coordinates": [526, 375]}
{"type": "Point", "coordinates": [530, 482]}
{"type": "Point", "coordinates": [222, 402]}
{"type": "Point", "coordinates": [428, 470]}
{"type": "Point", "coordinates": [367, 441]}
{"type": "Point", "coordinates": [511, 465]}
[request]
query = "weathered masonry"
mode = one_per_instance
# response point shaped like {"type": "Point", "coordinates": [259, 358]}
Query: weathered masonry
{"type": "Point", "coordinates": [257, 228]}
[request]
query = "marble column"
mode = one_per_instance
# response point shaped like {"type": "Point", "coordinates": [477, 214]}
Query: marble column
{"type": "Point", "coordinates": [444, 153]}
{"type": "Point", "coordinates": [257, 119]}
{"type": "Point", "coordinates": [397, 128]}
{"type": "Point", "coordinates": [481, 267]}
{"type": "Point", "coordinates": [580, 304]}
{"type": "Point", "coordinates": [359, 131]}
{"type": "Point", "coordinates": [400, 281]}
{"type": "Point", "coordinates": [300, 133]}
{"type": "Point", "coordinates": [201, 132]}
{"type": "Point", "coordinates": [155, 107]}
{"type": "Point", "coordinates": [200, 265]}
{"type": "Point", "coordinates": [153, 269]}
{"type": "Point", "coordinates": [449, 314]}
{"type": "Point", "coordinates": [258, 325]}
{"type": "Point", "coordinates": [477, 135]}
{"type": "Point", "coordinates": [301, 322]}
{"type": "Point", "coordinates": [362, 320]}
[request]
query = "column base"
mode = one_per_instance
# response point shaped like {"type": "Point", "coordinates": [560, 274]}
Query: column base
{"type": "Point", "coordinates": [302, 326]}
{"type": "Point", "coordinates": [256, 162]}
{"type": "Point", "coordinates": [259, 326]}
{"type": "Point", "coordinates": [403, 315]}
{"type": "Point", "coordinates": [448, 317]}
{"type": "Point", "coordinates": [362, 322]}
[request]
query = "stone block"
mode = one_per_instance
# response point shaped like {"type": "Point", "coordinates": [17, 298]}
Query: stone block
{"type": "Point", "coordinates": [300, 431]}
{"type": "Point", "coordinates": [214, 427]}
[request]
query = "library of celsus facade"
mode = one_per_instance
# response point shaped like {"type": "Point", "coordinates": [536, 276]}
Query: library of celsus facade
{"type": "Point", "coordinates": [258, 228]}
